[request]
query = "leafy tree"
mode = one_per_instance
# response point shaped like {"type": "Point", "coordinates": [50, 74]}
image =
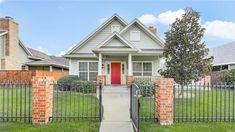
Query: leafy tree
{"type": "Point", "coordinates": [185, 52]}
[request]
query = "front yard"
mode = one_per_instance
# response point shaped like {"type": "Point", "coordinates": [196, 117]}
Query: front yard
{"type": "Point", "coordinates": [217, 104]}
{"type": "Point", "coordinates": [189, 127]}
{"type": "Point", "coordinates": [15, 103]}
{"type": "Point", "coordinates": [71, 126]}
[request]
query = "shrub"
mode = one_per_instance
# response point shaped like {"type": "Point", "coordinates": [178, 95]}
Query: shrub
{"type": "Point", "coordinates": [64, 83]}
{"type": "Point", "coordinates": [146, 87]}
{"type": "Point", "coordinates": [84, 86]}
{"type": "Point", "coordinates": [230, 77]}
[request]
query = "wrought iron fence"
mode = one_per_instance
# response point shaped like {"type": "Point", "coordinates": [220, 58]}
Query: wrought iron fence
{"type": "Point", "coordinates": [147, 99]}
{"type": "Point", "coordinates": [135, 105]}
{"type": "Point", "coordinates": [77, 101]}
{"type": "Point", "coordinates": [201, 102]}
{"type": "Point", "coordinates": [15, 101]}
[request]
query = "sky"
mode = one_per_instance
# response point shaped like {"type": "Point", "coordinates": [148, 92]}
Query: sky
{"type": "Point", "coordinates": [55, 26]}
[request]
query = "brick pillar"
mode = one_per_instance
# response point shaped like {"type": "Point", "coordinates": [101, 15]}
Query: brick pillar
{"type": "Point", "coordinates": [129, 80]}
{"type": "Point", "coordinates": [42, 95]}
{"type": "Point", "coordinates": [102, 78]}
{"type": "Point", "coordinates": [164, 100]}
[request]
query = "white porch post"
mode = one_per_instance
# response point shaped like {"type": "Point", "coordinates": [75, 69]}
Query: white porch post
{"type": "Point", "coordinates": [51, 69]}
{"type": "Point", "coordinates": [130, 65]}
{"type": "Point", "coordinates": [100, 64]}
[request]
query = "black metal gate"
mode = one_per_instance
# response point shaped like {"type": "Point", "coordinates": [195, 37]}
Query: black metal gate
{"type": "Point", "coordinates": [78, 101]}
{"type": "Point", "coordinates": [135, 106]}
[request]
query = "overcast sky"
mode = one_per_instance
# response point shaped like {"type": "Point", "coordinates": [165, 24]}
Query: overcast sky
{"type": "Point", "coordinates": [54, 26]}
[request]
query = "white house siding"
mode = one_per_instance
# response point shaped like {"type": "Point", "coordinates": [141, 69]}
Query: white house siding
{"type": "Point", "coordinates": [115, 42]}
{"type": "Point", "coordinates": [232, 66]}
{"type": "Point", "coordinates": [145, 42]}
{"type": "Point", "coordinates": [73, 67]}
{"type": "Point", "coordinates": [101, 36]}
{"type": "Point", "coordinates": [23, 56]}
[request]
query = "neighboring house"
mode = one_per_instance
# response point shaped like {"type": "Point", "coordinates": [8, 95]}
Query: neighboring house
{"type": "Point", "coordinates": [116, 52]}
{"type": "Point", "coordinates": [14, 55]}
{"type": "Point", "coordinates": [224, 57]}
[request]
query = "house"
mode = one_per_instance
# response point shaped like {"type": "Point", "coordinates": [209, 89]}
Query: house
{"type": "Point", "coordinates": [14, 55]}
{"type": "Point", "coordinates": [224, 57]}
{"type": "Point", "coordinates": [116, 52]}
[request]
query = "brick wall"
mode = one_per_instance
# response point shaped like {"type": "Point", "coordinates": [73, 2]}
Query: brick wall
{"type": "Point", "coordinates": [55, 75]}
{"type": "Point", "coordinates": [12, 58]}
{"type": "Point", "coordinates": [28, 75]}
{"type": "Point", "coordinates": [164, 100]}
{"type": "Point", "coordinates": [42, 95]}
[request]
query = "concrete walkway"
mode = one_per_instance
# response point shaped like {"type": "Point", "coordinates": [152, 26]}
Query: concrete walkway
{"type": "Point", "coordinates": [116, 102]}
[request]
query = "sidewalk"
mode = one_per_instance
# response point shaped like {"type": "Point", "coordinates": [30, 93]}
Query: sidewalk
{"type": "Point", "coordinates": [116, 102]}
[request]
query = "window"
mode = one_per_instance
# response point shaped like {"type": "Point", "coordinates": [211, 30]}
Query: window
{"type": "Point", "coordinates": [142, 68]}
{"type": "Point", "coordinates": [224, 67]}
{"type": "Point", "coordinates": [135, 36]}
{"type": "Point", "coordinates": [2, 47]}
{"type": "Point", "coordinates": [115, 28]}
{"type": "Point", "coordinates": [88, 70]}
{"type": "Point", "coordinates": [23, 67]}
{"type": "Point", "coordinates": [219, 68]}
{"type": "Point", "coordinates": [108, 68]}
{"type": "Point", "coordinates": [123, 69]}
{"type": "Point", "coordinates": [216, 68]}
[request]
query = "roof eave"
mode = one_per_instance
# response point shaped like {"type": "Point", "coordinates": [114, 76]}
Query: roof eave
{"type": "Point", "coordinates": [153, 36]}
{"type": "Point", "coordinates": [78, 45]}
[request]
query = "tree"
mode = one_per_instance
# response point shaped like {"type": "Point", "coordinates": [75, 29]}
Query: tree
{"type": "Point", "coordinates": [184, 51]}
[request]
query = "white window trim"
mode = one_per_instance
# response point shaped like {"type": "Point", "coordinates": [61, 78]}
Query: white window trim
{"type": "Point", "coordinates": [88, 70]}
{"type": "Point", "coordinates": [115, 25]}
{"type": "Point", "coordinates": [131, 38]}
{"type": "Point", "coordinates": [142, 71]}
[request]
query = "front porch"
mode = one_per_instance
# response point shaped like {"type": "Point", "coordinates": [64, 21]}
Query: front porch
{"type": "Point", "coordinates": [121, 69]}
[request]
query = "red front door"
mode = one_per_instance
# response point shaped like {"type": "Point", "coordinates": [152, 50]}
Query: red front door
{"type": "Point", "coordinates": [115, 73]}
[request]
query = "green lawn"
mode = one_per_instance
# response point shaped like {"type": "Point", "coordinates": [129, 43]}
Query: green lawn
{"type": "Point", "coordinates": [188, 127]}
{"type": "Point", "coordinates": [72, 126]}
{"type": "Point", "coordinates": [200, 103]}
{"type": "Point", "coordinates": [64, 103]}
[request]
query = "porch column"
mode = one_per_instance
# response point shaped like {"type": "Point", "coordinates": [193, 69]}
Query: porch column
{"type": "Point", "coordinates": [100, 65]}
{"type": "Point", "coordinates": [130, 65]}
{"type": "Point", "coordinates": [129, 77]}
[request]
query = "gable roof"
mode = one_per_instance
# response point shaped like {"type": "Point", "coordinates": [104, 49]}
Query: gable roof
{"type": "Point", "coordinates": [102, 26]}
{"type": "Point", "coordinates": [25, 48]}
{"type": "Point", "coordinates": [44, 59]}
{"type": "Point", "coordinates": [54, 61]}
{"type": "Point", "coordinates": [223, 54]}
{"type": "Point", "coordinates": [145, 29]}
{"type": "Point", "coordinates": [117, 36]}
{"type": "Point", "coordinates": [39, 54]}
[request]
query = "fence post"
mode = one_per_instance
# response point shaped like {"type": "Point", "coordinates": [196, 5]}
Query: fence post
{"type": "Point", "coordinates": [42, 95]}
{"type": "Point", "coordinates": [164, 100]}
{"type": "Point", "coordinates": [100, 97]}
